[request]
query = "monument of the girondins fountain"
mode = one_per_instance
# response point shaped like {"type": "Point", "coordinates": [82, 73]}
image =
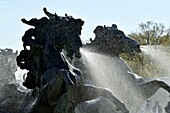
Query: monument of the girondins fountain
{"type": "Point", "coordinates": [56, 85]}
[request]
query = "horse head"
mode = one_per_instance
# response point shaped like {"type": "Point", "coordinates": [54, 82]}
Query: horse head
{"type": "Point", "coordinates": [110, 40]}
{"type": "Point", "coordinates": [68, 32]}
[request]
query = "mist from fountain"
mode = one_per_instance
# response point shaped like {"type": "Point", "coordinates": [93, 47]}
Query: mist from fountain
{"type": "Point", "coordinates": [19, 75]}
{"type": "Point", "coordinates": [107, 72]}
{"type": "Point", "coordinates": [160, 56]}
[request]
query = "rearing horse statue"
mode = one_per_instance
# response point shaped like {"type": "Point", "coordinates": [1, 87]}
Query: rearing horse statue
{"type": "Point", "coordinates": [60, 84]}
{"type": "Point", "coordinates": [130, 87]}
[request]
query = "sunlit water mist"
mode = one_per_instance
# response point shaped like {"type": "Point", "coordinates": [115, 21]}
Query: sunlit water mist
{"type": "Point", "coordinates": [19, 76]}
{"type": "Point", "coordinates": [160, 55]}
{"type": "Point", "coordinates": [110, 72]}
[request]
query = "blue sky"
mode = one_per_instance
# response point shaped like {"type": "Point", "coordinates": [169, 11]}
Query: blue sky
{"type": "Point", "coordinates": [127, 14]}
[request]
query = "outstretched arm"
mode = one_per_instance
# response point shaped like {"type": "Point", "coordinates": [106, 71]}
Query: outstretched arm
{"type": "Point", "coordinates": [50, 15]}
{"type": "Point", "coordinates": [32, 22]}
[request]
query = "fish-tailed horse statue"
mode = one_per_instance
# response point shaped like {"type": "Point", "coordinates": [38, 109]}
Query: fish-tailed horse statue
{"type": "Point", "coordinates": [130, 87]}
{"type": "Point", "coordinates": [60, 84]}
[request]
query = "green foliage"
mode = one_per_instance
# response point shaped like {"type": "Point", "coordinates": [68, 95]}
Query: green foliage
{"type": "Point", "coordinates": [165, 41]}
{"type": "Point", "coordinates": [152, 33]}
{"type": "Point", "coordinates": [138, 37]}
{"type": "Point", "coordinates": [143, 65]}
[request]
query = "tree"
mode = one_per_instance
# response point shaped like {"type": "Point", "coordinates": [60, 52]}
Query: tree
{"type": "Point", "coordinates": [150, 33]}
{"type": "Point", "coordinates": [138, 37]}
{"type": "Point", "coordinates": [145, 29]}
{"type": "Point", "coordinates": [158, 31]}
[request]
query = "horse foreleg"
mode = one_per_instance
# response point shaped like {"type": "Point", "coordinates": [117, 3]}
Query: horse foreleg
{"type": "Point", "coordinates": [54, 87]}
{"type": "Point", "coordinates": [79, 94]}
{"type": "Point", "coordinates": [164, 85]}
{"type": "Point", "coordinates": [150, 88]}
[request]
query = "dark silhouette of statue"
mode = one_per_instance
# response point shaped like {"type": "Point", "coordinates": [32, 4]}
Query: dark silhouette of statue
{"type": "Point", "coordinates": [60, 85]}
{"type": "Point", "coordinates": [112, 42]}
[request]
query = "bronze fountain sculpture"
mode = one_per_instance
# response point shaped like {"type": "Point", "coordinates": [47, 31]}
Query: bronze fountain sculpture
{"type": "Point", "coordinates": [112, 42]}
{"type": "Point", "coordinates": [59, 84]}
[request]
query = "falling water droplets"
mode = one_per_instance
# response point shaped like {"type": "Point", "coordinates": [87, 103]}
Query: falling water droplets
{"type": "Point", "coordinates": [111, 72]}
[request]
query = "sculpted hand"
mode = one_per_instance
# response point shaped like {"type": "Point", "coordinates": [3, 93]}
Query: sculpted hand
{"type": "Point", "coordinates": [23, 20]}
{"type": "Point", "coordinates": [45, 9]}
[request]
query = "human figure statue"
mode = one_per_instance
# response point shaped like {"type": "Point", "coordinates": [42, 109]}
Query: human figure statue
{"type": "Point", "coordinates": [35, 39]}
{"type": "Point", "coordinates": [32, 36]}
{"type": "Point", "coordinates": [157, 108]}
{"type": "Point", "coordinates": [145, 108]}
{"type": "Point", "coordinates": [148, 107]}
